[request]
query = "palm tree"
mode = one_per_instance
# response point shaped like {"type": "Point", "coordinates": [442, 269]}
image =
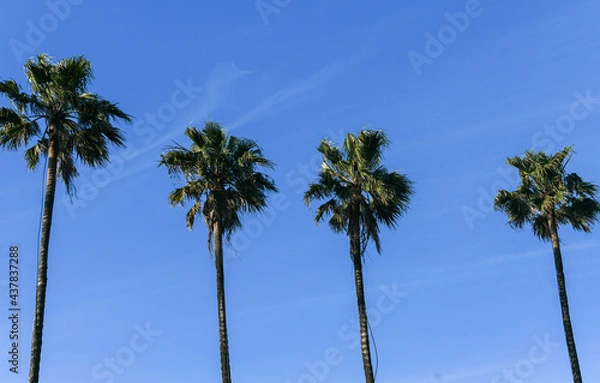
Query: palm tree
{"type": "Point", "coordinates": [547, 198]}
{"type": "Point", "coordinates": [360, 194]}
{"type": "Point", "coordinates": [222, 181]}
{"type": "Point", "coordinates": [77, 126]}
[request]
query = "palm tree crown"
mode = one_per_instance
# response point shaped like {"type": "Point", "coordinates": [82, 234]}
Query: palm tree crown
{"type": "Point", "coordinates": [80, 122]}
{"type": "Point", "coordinates": [352, 178]}
{"type": "Point", "coordinates": [222, 177]}
{"type": "Point", "coordinates": [547, 192]}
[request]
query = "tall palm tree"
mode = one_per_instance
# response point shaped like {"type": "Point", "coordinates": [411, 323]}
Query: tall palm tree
{"type": "Point", "coordinates": [359, 193]}
{"type": "Point", "coordinates": [68, 125]}
{"type": "Point", "coordinates": [222, 181]}
{"type": "Point", "coordinates": [547, 198]}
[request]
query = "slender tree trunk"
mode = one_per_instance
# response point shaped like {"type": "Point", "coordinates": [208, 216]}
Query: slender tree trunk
{"type": "Point", "coordinates": [355, 252]}
{"type": "Point", "coordinates": [564, 302]}
{"type": "Point", "coordinates": [223, 338]}
{"type": "Point", "coordinates": [42, 276]}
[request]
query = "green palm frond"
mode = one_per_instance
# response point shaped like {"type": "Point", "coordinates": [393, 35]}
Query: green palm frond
{"type": "Point", "coordinates": [330, 152]}
{"type": "Point", "coordinates": [370, 227]}
{"type": "Point", "coordinates": [73, 73]}
{"type": "Point", "coordinates": [16, 130]}
{"type": "Point", "coordinates": [516, 206]}
{"type": "Point", "coordinates": [39, 74]}
{"type": "Point", "coordinates": [577, 186]}
{"type": "Point", "coordinates": [338, 221]}
{"type": "Point", "coordinates": [370, 148]}
{"type": "Point", "coordinates": [188, 192]}
{"type": "Point", "coordinates": [539, 224]}
{"type": "Point", "coordinates": [33, 154]}
{"type": "Point", "coordinates": [326, 209]}
{"type": "Point", "coordinates": [68, 172]}
{"type": "Point", "coordinates": [22, 102]}
{"type": "Point", "coordinates": [190, 216]}
{"type": "Point", "coordinates": [582, 213]}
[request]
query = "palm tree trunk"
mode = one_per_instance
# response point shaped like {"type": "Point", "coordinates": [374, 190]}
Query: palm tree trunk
{"type": "Point", "coordinates": [223, 338]}
{"type": "Point", "coordinates": [564, 302]}
{"type": "Point", "coordinates": [42, 276]}
{"type": "Point", "coordinates": [355, 252]}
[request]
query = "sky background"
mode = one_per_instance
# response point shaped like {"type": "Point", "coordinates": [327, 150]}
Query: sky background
{"type": "Point", "coordinates": [473, 297]}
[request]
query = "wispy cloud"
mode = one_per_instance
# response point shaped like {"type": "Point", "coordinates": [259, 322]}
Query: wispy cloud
{"type": "Point", "coordinates": [294, 93]}
{"type": "Point", "coordinates": [444, 275]}
{"type": "Point", "coordinates": [447, 274]}
{"type": "Point", "coordinates": [306, 303]}
{"type": "Point", "coordinates": [288, 96]}
{"type": "Point", "coordinates": [215, 90]}
{"type": "Point", "coordinates": [277, 100]}
{"type": "Point", "coordinates": [506, 258]}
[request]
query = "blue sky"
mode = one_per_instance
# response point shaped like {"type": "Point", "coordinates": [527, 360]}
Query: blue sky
{"type": "Point", "coordinates": [456, 295]}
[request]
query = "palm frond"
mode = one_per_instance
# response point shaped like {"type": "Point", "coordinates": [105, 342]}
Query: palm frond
{"type": "Point", "coordinates": [74, 74]}
{"type": "Point", "coordinates": [539, 224]}
{"type": "Point", "coordinates": [516, 207]}
{"type": "Point", "coordinates": [370, 147]}
{"type": "Point", "coordinates": [68, 172]}
{"type": "Point", "coordinates": [32, 155]}
{"type": "Point", "coordinates": [16, 130]}
{"type": "Point", "coordinates": [190, 216]}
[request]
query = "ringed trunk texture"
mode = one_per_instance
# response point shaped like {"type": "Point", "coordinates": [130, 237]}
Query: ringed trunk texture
{"type": "Point", "coordinates": [564, 302]}
{"type": "Point", "coordinates": [223, 337]}
{"type": "Point", "coordinates": [355, 252]}
{"type": "Point", "coordinates": [42, 276]}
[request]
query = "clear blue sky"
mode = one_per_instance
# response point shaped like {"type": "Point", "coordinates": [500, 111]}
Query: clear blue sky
{"type": "Point", "coordinates": [472, 295]}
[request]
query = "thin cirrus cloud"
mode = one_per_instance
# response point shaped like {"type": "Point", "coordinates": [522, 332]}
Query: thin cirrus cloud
{"type": "Point", "coordinates": [214, 91]}
{"type": "Point", "coordinates": [285, 98]}
{"type": "Point", "coordinates": [464, 271]}
{"type": "Point", "coordinates": [506, 258]}
{"type": "Point", "coordinates": [287, 94]}
{"type": "Point", "coordinates": [277, 101]}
